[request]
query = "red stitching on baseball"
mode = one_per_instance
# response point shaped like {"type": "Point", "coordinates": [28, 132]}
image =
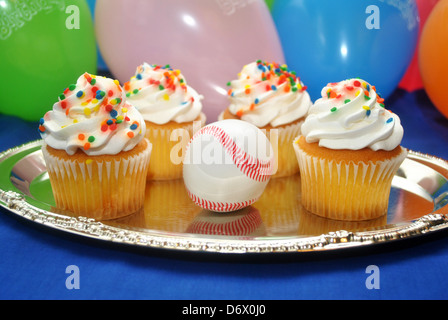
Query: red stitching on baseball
{"type": "Point", "coordinates": [253, 168]}
{"type": "Point", "coordinates": [219, 206]}
{"type": "Point", "coordinates": [243, 226]}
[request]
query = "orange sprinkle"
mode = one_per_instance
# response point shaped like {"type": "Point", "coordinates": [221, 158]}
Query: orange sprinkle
{"type": "Point", "coordinates": [86, 146]}
{"type": "Point", "coordinates": [333, 94]}
{"type": "Point", "coordinates": [81, 136]}
{"type": "Point", "coordinates": [288, 88]}
{"type": "Point", "coordinates": [127, 86]}
{"type": "Point", "coordinates": [229, 92]}
{"type": "Point", "coordinates": [131, 134]}
{"type": "Point", "coordinates": [239, 113]}
{"type": "Point", "coordinates": [252, 106]}
{"type": "Point", "coordinates": [247, 91]}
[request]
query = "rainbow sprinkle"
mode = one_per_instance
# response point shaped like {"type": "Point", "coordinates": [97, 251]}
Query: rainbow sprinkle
{"type": "Point", "coordinates": [272, 76]}
{"type": "Point", "coordinates": [95, 101]}
{"type": "Point", "coordinates": [171, 80]}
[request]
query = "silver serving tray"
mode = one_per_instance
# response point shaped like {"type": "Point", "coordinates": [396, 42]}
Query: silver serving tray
{"type": "Point", "coordinates": [277, 223]}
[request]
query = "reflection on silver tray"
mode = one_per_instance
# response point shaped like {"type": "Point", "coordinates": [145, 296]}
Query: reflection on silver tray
{"type": "Point", "coordinates": [277, 222]}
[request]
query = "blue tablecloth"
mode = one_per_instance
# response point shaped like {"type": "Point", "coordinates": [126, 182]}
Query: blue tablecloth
{"type": "Point", "coordinates": [34, 260]}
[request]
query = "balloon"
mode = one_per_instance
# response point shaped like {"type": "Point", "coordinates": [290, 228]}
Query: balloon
{"type": "Point", "coordinates": [270, 4]}
{"type": "Point", "coordinates": [412, 79]}
{"type": "Point", "coordinates": [208, 41]}
{"type": "Point", "coordinates": [328, 41]}
{"type": "Point", "coordinates": [101, 64]}
{"type": "Point", "coordinates": [44, 46]}
{"type": "Point", "coordinates": [433, 58]}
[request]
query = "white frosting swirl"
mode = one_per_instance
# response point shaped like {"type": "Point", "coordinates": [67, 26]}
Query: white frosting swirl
{"type": "Point", "coordinates": [267, 93]}
{"type": "Point", "coordinates": [161, 94]}
{"type": "Point", "coordinates": [351, 115]}
{"type": "Point", "coordinates": [94, 117]}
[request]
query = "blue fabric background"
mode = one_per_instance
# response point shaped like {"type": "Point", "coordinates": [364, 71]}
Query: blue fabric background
{"type": "Point", "coordinates": [34, 259]}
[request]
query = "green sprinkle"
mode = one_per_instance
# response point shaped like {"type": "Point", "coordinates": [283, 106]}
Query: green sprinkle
{"type": "Point", "coordinates": [294, 89]}
{"type": "Point", "coordinates": [128, 94]}
{"type": "Point", "coordinates": [333, 109]}
{"type": "Point", "coordinates": [91, 139]}
{"type": "Point", "coordinates": [382, 105]}
{"type": "Point", "coordinates": [366, 97]}
{"type": "Point", "coordinates": [161, 87]}
{"type": "Point", "coordinates": [72, 87]}
{"type": "Point", "coordinates": [228, 83]}
{"type": "Point", "coordinates": [93, 81]}
{"type": "Point", "coordinates": [62, 96]}
{"type": "Point", "coordinates": [118, 121]}
{"type": "Point", "coordinates": [135, 91]}
{"type": "Point", "coordinates": [347, 101]}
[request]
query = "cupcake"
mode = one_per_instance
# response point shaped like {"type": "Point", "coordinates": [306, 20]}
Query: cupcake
{"type": "Point", "coordinates": [172, 111]}
{"type": "Point", "coordinates": [95, 151]}
{"type": "Point", "coordinates": [271, 97]}
{"type": "Point", "coordinates": [349, 152]}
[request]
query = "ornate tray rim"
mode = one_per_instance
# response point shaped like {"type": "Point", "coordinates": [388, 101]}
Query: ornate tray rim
{"type": "Point", "coordinates": [17, 204]}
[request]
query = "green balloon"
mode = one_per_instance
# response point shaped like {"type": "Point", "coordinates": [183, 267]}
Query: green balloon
{"type": "Point", "coordinates": [45, 45]}
{"type": "Point", "coordinates": [270, 3]}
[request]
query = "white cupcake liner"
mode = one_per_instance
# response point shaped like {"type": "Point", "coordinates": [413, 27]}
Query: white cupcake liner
{"type": "Point", "coordinates": [339, 197]}
{"type": "Point", "coordinates": [98, 188]}
{"type": "Point", "coordinates": [165, 165]}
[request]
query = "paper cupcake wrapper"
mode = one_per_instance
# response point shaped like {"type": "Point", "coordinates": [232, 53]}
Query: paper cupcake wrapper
{"type": "Point", "coordinates": [313, 225]}
{"type": "Point", "coordinates": [346, 190]}
{"type": "Point", "coordinates": [167, 155]}
{"type": "Point", "coordinates": [98, 189]}
{"type": "Point", "coordinates": [282, 142]}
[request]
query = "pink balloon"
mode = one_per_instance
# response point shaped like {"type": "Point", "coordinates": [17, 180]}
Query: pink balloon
{"type": "Point", "coordinates": [209, 41]}
{"type": "Point", "coordinates": [412, 79]}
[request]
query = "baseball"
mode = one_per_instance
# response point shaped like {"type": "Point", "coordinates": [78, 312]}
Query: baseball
{"type": "Point", "coordinates": [227, 165]}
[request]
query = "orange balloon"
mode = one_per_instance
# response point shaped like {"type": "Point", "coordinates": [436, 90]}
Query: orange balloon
{"type": "Point", "coordinates": [433, 56]}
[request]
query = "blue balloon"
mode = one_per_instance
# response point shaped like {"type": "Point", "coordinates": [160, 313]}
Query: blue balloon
{"type": "Point", "coordinates": [328, 41]}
